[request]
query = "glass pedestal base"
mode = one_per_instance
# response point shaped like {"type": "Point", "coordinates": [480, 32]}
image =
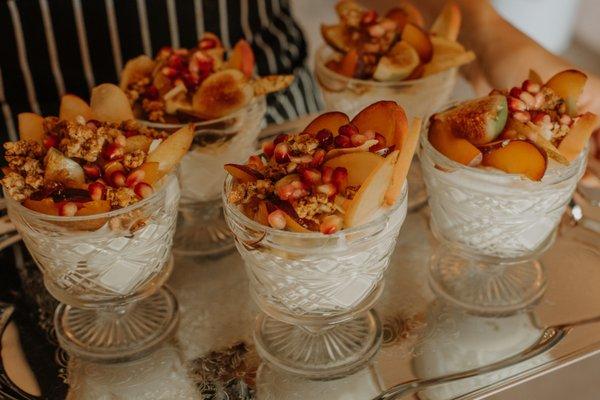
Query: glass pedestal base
{"type": "Point", "coordinates": [202, 230]}
{"type": "Point", "coordinates": [417, 194]}
{"type": "Point", "coordinates": [117, 334]}
{"type": "Point", "coordinates": [323, 352]}
{"type": "Point", "coordinates": [486, 287]}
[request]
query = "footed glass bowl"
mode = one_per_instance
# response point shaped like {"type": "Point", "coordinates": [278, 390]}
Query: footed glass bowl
{"type": "Point", "coordinates": [107, 271]}
{"type": "Point", "coordinates": [316, 290]}
{"type": "Point", "coordinates": [201, 229]}
{"type": "Point", "coordinates": [492, 227]}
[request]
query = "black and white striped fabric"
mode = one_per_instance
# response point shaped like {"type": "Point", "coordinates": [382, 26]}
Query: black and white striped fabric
{"type": "Point", "coordinates": [52, 47]}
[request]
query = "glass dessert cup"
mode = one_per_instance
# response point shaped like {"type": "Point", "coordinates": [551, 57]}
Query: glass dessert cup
{"type": "Point", "coordinates": [107, 271]}
{"type": "Point", "coordinates": [201, 229]}
{"type": "Point", "coordinates": [316, 291]}
{"type": "Point", "coordinates": [419, 98]}
{"type": "Point", "coordinates": [492, 228]}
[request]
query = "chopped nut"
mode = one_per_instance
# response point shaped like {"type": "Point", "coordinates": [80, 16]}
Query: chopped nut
{"type": "Point", "coordinates": [121, 197]}
{"type": "Point", "coordinates": [16, 186]}
{"type": "Point", "coordinates": [134, 159]}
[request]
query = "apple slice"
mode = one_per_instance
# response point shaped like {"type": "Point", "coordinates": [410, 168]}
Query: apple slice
{"type": "Point", "coordinates": [370, 196]}
{"type": "Point", "coordinates": [31, 127]}
{"type": "Point", "coordinates": [242, 58]}
{"type": "Point", "coordinates": [109, 103]}
{"type": "Point", "coordinates": [137, 142]}
{"type": "Point", "coordinates": [445, 62]}
{"type": "Point", "coordinates": [479, 121]}
{"type": "Point", "coordinates": [136, 69]}
{"type": "Point", "coordinates": [386, 118]}
{"type": "Point", "coordinates": [456, 149]}
{"type": "Point", "coordinates": [402, 165]}
{"type": "Point", "coordinates": [517, 157]}
{"type": "Point", "coordinates": [59, 168]}
{"type": "Point", "coordinates": [243, 173]}
{"type": "Point", "coordinates": [44, 206]}
{"type": "Point", "coordinates": [221, 94]}
{"type": "Point", "coordinates": [577, 137]}
{"type": "Point", "coordinates": [398, 64]}
{"type": "Point", "coordinates": [359, 165]}
{"type": "Point", "coordinates": [568, 85]}
{"type": "Point", "coordinates": [72, 106]}
{"type": "Point", "coordinates": [447, 23]}
{"type": "Point", "coordinates": [419, 40]}
{"type": "Point", "coordinates": [518, 130]}
{"type": "Point", "coordinates": [171, 150]}
{"type": "Point", "coordinates": [337, 36]}
{"type": "Point", "coordinates": [329, 120]}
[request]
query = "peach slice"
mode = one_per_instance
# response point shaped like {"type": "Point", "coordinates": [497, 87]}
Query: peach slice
{"type": "Point", "coordinates": [93, 207]}
{"type": "Point", "coordinates": [398, 64]}
{"type": "Point", "coordinates": [577, 137]}
{"type": "Point", "coordinates": [136, 69]}
{"type": "Point", "coordinates": [419, 40]}
{"type": "Point", "coordinates": [447, 23]}
{"type": "Point", "coordinates": [445, 62]}
{"type": "Point", "coordinates": [329, 120]}
{"type": "Point", "coordinates": [348, 150]}
{"type": "Point", "coordinates": [384, 117]}
{"type": "Point", "coordinates": [372, 192]}
{"type": "Point", "coordinates": [337, 36]}
{"type": "Point", "coordinates": [517, 130]}
{"type": "Point", "coordinates": [348, 64]}
{"type": "Point", "coordinates": [31, 127]}
{"type": "Point", "coordinates": [535, 77]}
{"type": "Point", "coordinates": [222, 93]}
{"type": "Point", "coordinates": [243, 173]}
{"type": "Point", "coordinates": [137, 142]}
{"type": "Point", "coordinates": [171, 150]}
{"type": "Point", "coordinates": [457, 149]}
{"type": "Point", "coordinates": [359, 165]}
{"type": "Point", "coordinates": [44, 206]}
{"type": "Point", "coordinates": [242, 58]}
{"type": "Point", "coordinates": [59, 168]}
{"type": "Point", "coordinates": [262, 214]}
{"type": "Point", "coordinates": [516, 157]}
{"type": "Point", "coordinates": [568, 85]}
{"type": "Point", "coordinates": [403, 163]}
{"type": "Point", "coordinates": [405, 13]}
{"type": "Point", "coordinates": [479, 121]}
{"type": "Point", "coordinates": [109, 103]}
{"type": "Point", "coordinates": [72, 106]}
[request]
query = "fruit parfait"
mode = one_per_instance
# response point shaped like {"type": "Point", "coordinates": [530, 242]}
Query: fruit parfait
{"type": "Point", "coordinates": [499, 171]}
{"type": "Point", "coordinates": [226, 104]}
{"type": "Point", "coordinates": [94, 196]}
{"type": "Point", "coordinates": [368, 57]}
{"type": "Point", "coordinates": [315, 216]}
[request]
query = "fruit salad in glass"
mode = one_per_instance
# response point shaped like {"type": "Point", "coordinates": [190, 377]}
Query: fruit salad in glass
{"type": "Point", "coordinates": [226, 104]}
{"type": "Point", "coordinates": [500, 171]}
{"type": "Point", "coordinates": [315, 216]}
{"type": "Point", "coordinates": [94, 196]}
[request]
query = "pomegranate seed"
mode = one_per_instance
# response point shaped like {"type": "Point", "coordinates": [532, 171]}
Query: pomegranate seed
{"type": "Point", "coordinates": [537, 117]}
{"type": "Point", "coordinates": [135, 177]}
{"type": "Point", "coordinates": [255, 162]}
{"type": "Point", "coordinates": [325, 137]}
{"type": "Point", "coordinates": [151, 93]}
{"type": "Point", "coordinates": [282, 137]}
{"type": "Point", "coordinates": [540, 99]}
{"type": "Point", "coordinates": [311, 176]}
{"type": "Point", "coordinates": [92, 171]}
{"type": "Point", "coordinates": [268, 148]}
{"type": "Point", "coordinates": [531, 87]}
{"type": "Point", "coordinates": [327, 189]}
{"type": "Point", "coordinates": [565, 119]}
{"type": "Point", "coordinates": [376, 31]}
{"type": "Point", "coordinates": [282, 153]}
{"type": "Point", "coordinates": [331, 224]}
{"type": "Point", "coordinates": [67, 209]}
{"type": "Point", "coordinates": [96, 190]}
{"type": "Point", "coordinates": [515, 92]}
{"type": "Point", "coordinates": [342, 141]}
{"type": "Point", "coordinates": [113, 152]}
{"type": "Point", "coordinates": [381, 143]}
{"type": "Point", "coordinates": [318, 157]}
{"type": "Point", "coordinates": [368, 17]}
{"type": "Point", "coordinates": [277, 219]}
{"type": "Point", "coordinates": [340, 178]}
{"type": "Point", "coordinates": [326, 174]}
{"type": "Point", "coordinates": [358, 139]}
{"type": "Point", "coordinates": [348, 130]}
{"type": "Point", "coordinates": [118, 178]}
{"type": "Point", "coordinates": [528, 99]}
{"type": "Point", "coordinates": [515, 104]}
{"type": "Point", "coordinates": [50, 141]}
{"type": "Point", "coordinates": [207, 44]}
{"type": "Point", "coordinates": [129, 134]}
{"type": "Point", "coordinates": [169, 72]}
{"type": "Point", "coordinates": [120, 140]}
{"type": "Point", "coordinates": [176, 62]}
{"type": "Point", "coordinates": [143, 190]}
{"type": "Point", "coordinates": [522, 116]}
{"type": "Point", "coordinates": [369, 134]}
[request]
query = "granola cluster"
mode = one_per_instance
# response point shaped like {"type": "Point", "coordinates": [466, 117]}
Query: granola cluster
{"type": "Point", "coordinates": [25, 174]}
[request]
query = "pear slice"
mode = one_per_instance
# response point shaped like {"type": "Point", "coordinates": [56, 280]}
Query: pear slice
{"type": "Point", "coordinates": [359, 165]}
{"type": "Point", "coordinates": [59, 168]}
{"type": "Point", "coordinates": [169, 152]}
{"type": "Point", "coordinates": [577, 137]}
{"type": "Point", "coordinates": [370, 197]}
{"type": "Point", "coordinates": [347, 150]}
{"type": "Point", "coordinates": [136, 69]}
{"type": "Point", "coordinates": [272, 83]}
{"type": "Point", "coordinates": [110, 104]}
{"type": "Point", "coordinates": [72, 106]}
{"type": "Point", "coordinates": [403, 164]}
{"type": "Point", "coordinates": [31, 127]}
